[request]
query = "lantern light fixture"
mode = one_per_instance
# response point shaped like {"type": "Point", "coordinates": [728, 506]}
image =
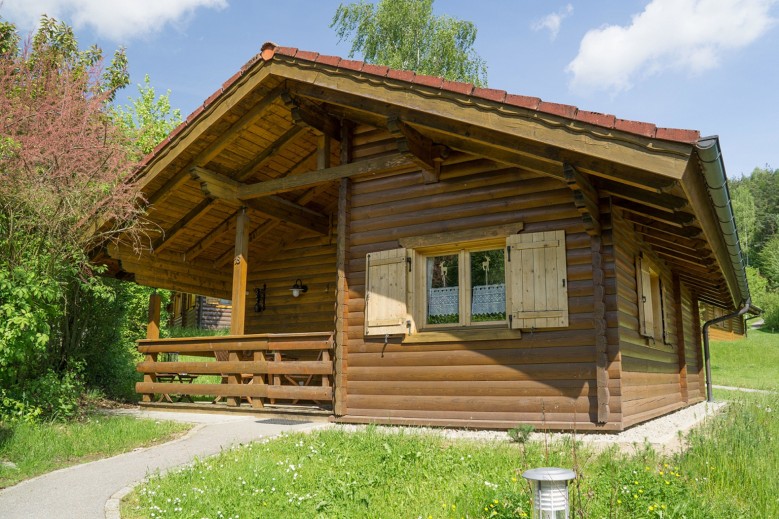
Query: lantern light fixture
{"type": "Point", "coordinates": [550, 492]}
{"type": "Point", "coordinates": [259, 293]}
{"type": "Point", "coordinates": [298, 288]}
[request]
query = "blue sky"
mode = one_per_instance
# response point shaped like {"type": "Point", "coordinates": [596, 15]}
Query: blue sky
{"type": "Point", "coordinates": [709, 65]}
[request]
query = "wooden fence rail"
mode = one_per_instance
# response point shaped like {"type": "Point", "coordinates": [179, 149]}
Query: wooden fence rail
{"type": "Point", "coordinates": [258, 368]}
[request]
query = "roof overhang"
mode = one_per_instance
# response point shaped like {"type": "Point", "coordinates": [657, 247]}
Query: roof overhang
{"type": "Point", "coordinates": [668, 182]}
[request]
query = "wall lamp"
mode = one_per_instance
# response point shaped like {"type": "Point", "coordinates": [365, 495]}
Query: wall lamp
{"type": "Point", "coordinates": [298, 288]}
{"type": "Point", "coordinates": [259, 305]}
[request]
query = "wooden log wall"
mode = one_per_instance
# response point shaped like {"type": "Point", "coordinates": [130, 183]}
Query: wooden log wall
{"type": "Point", "coordinates": [312, 260]}
{"type": "Point", "coordinates": [546, 378]}
{"type": "Point", "coordinates": [650, 369]}
{"type": "Point", "coordinates": [693, 351]}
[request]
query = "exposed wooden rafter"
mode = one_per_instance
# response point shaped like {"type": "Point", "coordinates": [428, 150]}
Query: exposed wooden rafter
{"type": "Point", "coordinates": [213, 149]}
{"type": "Point", "coordinates": [191, 217]}
{"type": "Point", "coordinates": [228, 225]}
{"type": "Point", "coordinates": [484, 141]}
{"type": "Point", "coordinates": [678, 219]}
{"type": "Point", "coordinates": [685, 232]}
{"type": "Point", "coordinates": [661, 201]}
{"type": "Point", "coordinates": [267, 154]}
{"type": "Point", "coordinates": [308, 114]}
{"type": "Point", "coordinates": [418, 148]}
{"type": "Point", "coordinates": [585, 197]}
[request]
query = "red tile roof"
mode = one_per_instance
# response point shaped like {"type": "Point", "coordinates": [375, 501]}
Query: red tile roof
{"type": "Point", "coordinates": [269, 50]}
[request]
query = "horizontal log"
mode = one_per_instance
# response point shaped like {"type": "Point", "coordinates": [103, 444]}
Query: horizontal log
{"type": "Point", "coordinates": [245, 367]}
{"type": "Point", "coordinates": [474, 358]}
{"type": "Point", "coordinates": [585, 371]}
{"type": "Point", "coordinates": [523, 388]}
{"type": "Point", "coordinates": [568, 420]}
{"type": "Point", "coordinates": [238, 390]}
{"type": "Point", "coordinates": [495, 404]}
{"type": "Point", "coordinates": [612, 426]}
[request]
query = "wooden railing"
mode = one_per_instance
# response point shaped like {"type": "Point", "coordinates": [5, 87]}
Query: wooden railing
{"type": "Point", "coordinates": [259, 368]}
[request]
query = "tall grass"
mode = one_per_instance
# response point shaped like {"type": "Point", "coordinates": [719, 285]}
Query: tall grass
{"type": "Point", "coordinates": [38, 448]}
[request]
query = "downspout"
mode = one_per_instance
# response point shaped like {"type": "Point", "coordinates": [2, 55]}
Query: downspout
{"type": "Point", "coordinates": [706, 353]}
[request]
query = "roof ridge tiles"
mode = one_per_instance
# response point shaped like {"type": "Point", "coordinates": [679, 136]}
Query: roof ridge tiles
{"type": "Point", "coordinates": [270, 49]}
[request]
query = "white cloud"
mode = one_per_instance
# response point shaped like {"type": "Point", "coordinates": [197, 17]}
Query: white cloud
{"type": "Point", "coordinates": [670, 34]}
{"type": "Point", "coordinates": [551, 22]}
{"type": "Point", "coordinates": [111, 19]}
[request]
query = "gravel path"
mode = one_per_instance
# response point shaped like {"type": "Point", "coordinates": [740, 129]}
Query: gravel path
{"type": "Point", "coordinates": [664, 434]}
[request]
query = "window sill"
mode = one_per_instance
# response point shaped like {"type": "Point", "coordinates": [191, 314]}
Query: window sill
{"type": "Point", "coordinates": [481, 334]}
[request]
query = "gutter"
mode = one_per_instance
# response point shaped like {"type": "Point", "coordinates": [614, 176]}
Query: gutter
{"type": "Point", "coordinates": [713, 168]}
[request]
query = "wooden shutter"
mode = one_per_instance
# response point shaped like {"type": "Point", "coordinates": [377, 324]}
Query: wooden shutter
{"type": "Point", "coordinates": [644, 291]}
{"type": "Point", "coordinates": [664, 314]}
{"type": "Point", "coordinates": [537, 280]}
{"type": "Point", "coordinates": [385, 292]}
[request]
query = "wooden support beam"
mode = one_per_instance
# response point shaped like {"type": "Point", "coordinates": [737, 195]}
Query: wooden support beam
{"type": "Point", "coordinates": [278, 208]}
{"type": "Point", "coordinates": [342, 296]}
{"type": "Point", "coordinates": [309, 114]}
{"type": "Point", "coordinates": [163, 262]}
{"type": "Point", "coordinates": [209, 239]}
{"type": "Point", "coordinates": [240, 271]}
{"type": "Point", "coordinates": [323, 151]}
{"type": "Point", "coordinates": [585, 197]}
{"type": "Point", "coordinates": [662, 201]}
{"type": "Point", "coordinates": [418, 148]}
{"type": "Point", "coordinates": [681, 345]}
{"type": "Point", "coordinates": [153, 325]}
{"type": "Point", "coordinates": [191, 217]}
{"type": "Point", "coordinates": [213, 150]}
{"type": "Point", "coordinates": [215, 185]}
{"type": "Point", "coordinates": [374, 166]}
{"type": "Point", "coordinates": [267, 154]}
{"type": "Point", "coordinates": [599, 321]}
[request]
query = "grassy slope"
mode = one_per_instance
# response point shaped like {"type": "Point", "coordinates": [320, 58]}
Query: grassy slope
{"type": "Point", "coordinates": [751, 362]}
{"type": "Point", "coordinates": [36, 449]}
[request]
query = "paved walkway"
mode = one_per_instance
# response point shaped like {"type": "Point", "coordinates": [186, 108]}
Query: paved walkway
{"type": "Point", "coordinates": [85, 491]}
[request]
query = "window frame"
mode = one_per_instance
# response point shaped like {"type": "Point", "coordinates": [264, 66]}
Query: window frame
{"type": "Point", "coordinates": [464, 252]}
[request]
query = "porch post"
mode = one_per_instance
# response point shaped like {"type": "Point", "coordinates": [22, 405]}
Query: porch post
{"type": "Point", "coordinates": [240, 271]}
{"type": "Point", "coordinates": [153, 326]}
{"type": "Point", "coordinates": [152, 332]}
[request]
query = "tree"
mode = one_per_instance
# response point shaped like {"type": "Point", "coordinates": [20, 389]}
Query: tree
{"type": "Point", "coordinates": [746, 216]}
{"type": "Point", "coordinates": [405, 34]}
{"type": "Point", "coordinates": [64, 166]}
{"type": "Point", "coordinates": [148, 119]}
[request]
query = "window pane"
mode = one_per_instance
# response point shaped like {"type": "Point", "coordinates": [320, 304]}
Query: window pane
{"type": "Point", "coordinates": [443, 290]}
{"type": "Point", "coordinates": [488, 293]}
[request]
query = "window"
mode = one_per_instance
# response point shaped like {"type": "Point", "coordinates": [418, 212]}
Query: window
{"type": "Point", "coordinates": [482, 299]}
{"type": "Point", "coordinates": [651, 301]}
{"type": "Point", "coordinates": [517, 281]}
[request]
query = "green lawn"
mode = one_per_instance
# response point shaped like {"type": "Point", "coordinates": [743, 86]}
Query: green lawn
{"type": "Point", "coordinates": [36, 449]}
{"type": "Point", "coordinates": [728, 471]}
{"type": "Point", "coordinates": [752, 362]}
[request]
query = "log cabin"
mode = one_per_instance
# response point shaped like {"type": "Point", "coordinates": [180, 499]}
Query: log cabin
{"type": "Point", "coordinates": [461, 256]}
